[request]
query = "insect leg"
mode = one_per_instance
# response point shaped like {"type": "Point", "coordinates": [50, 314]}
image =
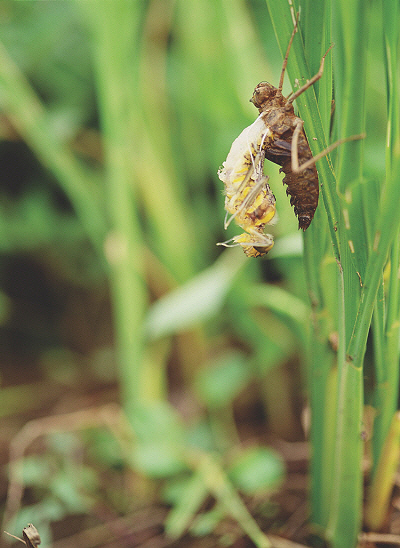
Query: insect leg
{"type": "Point", "coordinates": [312, 80]}
{"type": "Point", "coordinates": [252, 195]}
{"type": "Point", "coordinates": [256, 163]}
{"type": "Point", "coordinates": [295, 157]}
{"type": "Point", "coordinates": [254, 245]}
{"type": "Point", "coordinates": [239, 191]}
{"type": "Point", "coordinates": [257, 160]}
{"type": "Point", "coordinates": [295, 149]}
{"type": "Point", "coordinates": [248, 200]}
{"type": "Point", "coordinates": [287, 53]}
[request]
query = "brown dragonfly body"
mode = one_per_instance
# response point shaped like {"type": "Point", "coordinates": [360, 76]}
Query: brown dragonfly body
{"type": "Point", "coordinates": [278, 115]}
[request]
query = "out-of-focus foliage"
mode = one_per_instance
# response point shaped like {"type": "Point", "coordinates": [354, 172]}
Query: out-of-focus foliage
{"type": "Point", "coordinates": [186, 82]}
{"type": "Point", "coordinates": [115, 117]}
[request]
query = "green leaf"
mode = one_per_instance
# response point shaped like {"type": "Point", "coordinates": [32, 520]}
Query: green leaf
{"type": "Point", "coordinates": [160, 441]}
{"type": "Point", "coordinates": [158, 459]}
{"type": "Point", "coordinates": [192, 496]}
{"type": "Point", "coordinates": [219, 383]}
{"type": "Point", "coordinates": [196, 301]}
{"type": "Point", "coordinates": [290, 308]}
{"type": "Point", "coordinates": [257, 469]}
{"type": "Point", "coordinates": [35, 470]}
{"type": "Point", "coordinates": [65, 487]}
{"type": "Point", "coordinates": [205, 523]}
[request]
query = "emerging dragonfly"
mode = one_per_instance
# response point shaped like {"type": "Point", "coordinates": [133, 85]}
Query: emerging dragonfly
{"type": "Point", "coordinates": [248, 197]}
{"type": "Point", "coordinates": [278, 135]}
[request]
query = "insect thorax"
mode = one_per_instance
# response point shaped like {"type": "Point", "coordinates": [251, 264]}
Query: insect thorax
{"type": "Point", "coordinates": [266, 96]}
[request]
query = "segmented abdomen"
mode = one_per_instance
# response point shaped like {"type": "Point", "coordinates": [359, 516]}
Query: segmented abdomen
{"type": "Point", "coordinates": [302, 186]}
{"type": "Point", "coordinates": [303, 189]}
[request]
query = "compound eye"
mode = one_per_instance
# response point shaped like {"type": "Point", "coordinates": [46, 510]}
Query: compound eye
{"type": "Point", "coordinates": [256, 97]}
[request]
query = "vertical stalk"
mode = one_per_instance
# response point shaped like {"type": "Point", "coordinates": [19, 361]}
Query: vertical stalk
{"type": "Point", "coordinates": [345, 502]}
{"type": "Point", "coordinates": [320, 266]}
{"type": "Point", "coordinates": [387, 377]}
{"type": "Point", "coordinates": [115, 26]}
{"type": "Point", "coordinates": [387, 361]}
{"type": "Point", "coordinates": [350, 62]}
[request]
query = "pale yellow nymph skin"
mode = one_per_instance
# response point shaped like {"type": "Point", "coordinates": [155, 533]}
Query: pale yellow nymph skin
{"type": "Point", "coordinates": [242, 153]}
{"type": "Point", "coordinates": [248, 197]}
{"type": "Point", "coordinates": [254, 246]}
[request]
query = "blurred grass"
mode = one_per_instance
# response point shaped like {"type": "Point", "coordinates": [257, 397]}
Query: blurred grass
{"type": "Point", "coordinates": [115, 35]}
{"type": "Point", "coordinates": [137, 167]}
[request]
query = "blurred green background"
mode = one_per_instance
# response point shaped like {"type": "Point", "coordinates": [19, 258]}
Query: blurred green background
{"type": "Point", "coordinates": [115, 119]}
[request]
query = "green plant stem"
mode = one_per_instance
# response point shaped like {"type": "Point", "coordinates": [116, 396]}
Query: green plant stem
{"type": "Point", "coordinates": [320, 278]}
{"type": "Point", "coordinates": [115, 30]}
{"type": "Point", "coordinates": [382, 242]}
{"type": "Point", "coordinates": [384, 478]}
{"type": "Point", "coordinates": [387, 359]}
{"type": "Point", "coordinates": [345, 502]}
{"type": "Point", "coordinates": [221, 488]}
{"type": "Point", "coordinates": [387, 376]}
{"type": "Point", "coordinates": [350, 62]}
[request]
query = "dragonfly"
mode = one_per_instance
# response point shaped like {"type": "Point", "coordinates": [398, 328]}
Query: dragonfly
{"type": "Point", "coordinates": [276, 135]}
